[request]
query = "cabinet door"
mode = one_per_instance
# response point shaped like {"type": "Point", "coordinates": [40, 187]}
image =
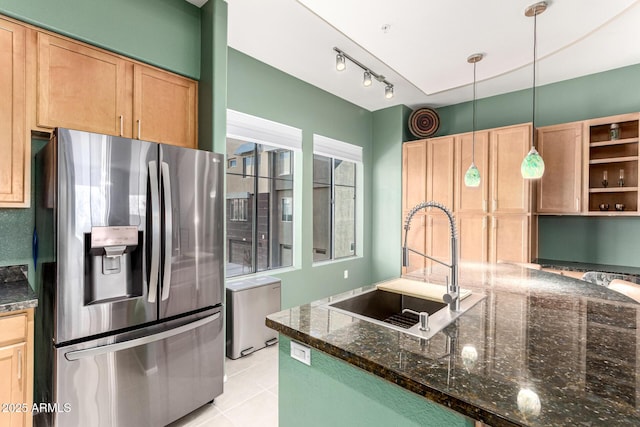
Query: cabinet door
{"type": "Point", "coordinates": [510, 238]}
{"type": "Point", "coordinates": [416, 240]}
{"type": "Point", "coordinates": [473, 237]}
{"type": "Point", "coordinates": [15, 147]}
{"type": "Point", "coordinates": [80, 87]}
{"type": "Point", "coordinates": [509, 191]}
{"type": "Point", "coordinates": [560, 187]}
{"type": "Point", "coordinates": [438, 239]}
{"type": "Point", "coordinates": [13, 384]}
{"type": "Point", "coordinates": [414, 173]}
{"type": "Point", "coordinates": [164, 107]}
{"type": "Point", "coordinates": [472, 199]}
{"type": "Point", "coordinates": [440, 170]}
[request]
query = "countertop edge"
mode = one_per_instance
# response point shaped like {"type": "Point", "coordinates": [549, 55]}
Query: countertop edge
{"type": "Point", "coordinates": [461, 406]}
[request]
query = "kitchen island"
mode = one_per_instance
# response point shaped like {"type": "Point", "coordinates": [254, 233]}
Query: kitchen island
{"type": "Point", "coordinates": [539, 350]}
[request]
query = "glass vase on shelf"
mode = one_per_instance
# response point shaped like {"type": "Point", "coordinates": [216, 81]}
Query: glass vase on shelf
{"type": "Point", "coordinates": [614, 132]}
{"type": "Point", "coordinates": [621, 178]}
{"type": "Point", "coordinates": [605, 181]}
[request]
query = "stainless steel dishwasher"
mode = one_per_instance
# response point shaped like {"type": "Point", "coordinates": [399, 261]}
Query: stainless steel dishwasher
{"type": "Point", "coordinates": [249, 302]}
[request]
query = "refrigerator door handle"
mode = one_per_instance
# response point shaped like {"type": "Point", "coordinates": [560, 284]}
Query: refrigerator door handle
{"type": "Point", "coordinates": [155, 231]}
{"type": "Point", "coordinates": [168, 230]}
{"type": "Point", "coordinates": [137, 342]}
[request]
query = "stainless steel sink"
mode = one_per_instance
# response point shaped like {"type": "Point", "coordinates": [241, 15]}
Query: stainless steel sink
{"type": "Point", "coordinates": [385, 309]}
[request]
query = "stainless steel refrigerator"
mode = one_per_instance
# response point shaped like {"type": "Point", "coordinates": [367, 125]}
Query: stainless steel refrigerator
{"type": "Point", "coordinates": [129, 249]}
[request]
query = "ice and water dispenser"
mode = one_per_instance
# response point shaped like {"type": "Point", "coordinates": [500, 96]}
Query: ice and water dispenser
{"type": "Point", "coordinates": [113, 264]}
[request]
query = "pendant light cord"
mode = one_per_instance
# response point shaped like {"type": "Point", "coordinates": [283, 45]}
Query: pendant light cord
{"type": "Point", "coordinates": [473, 137]}
{"type": "Point", "coordinates": [533, 112]}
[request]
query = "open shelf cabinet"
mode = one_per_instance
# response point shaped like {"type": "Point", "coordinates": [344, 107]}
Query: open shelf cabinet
{"type": "Point", "coordinates": [612, 166]}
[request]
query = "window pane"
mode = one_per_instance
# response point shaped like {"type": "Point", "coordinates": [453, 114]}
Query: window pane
{"type": "Point", "coordinates": [321, 169]}
{"type": "Point", "coordinates": [345, 173]}
{"type": "Point", "coordinates": [239, 225]}
{"type": "Point", "coordinates": [259, 208]}
{"type": "Point", "coordinates": [321, 221]}
{"type": "Point", "coordinates": [344, 238]}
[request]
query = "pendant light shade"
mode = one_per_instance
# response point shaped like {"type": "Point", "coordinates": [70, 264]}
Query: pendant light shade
{"type": "Point", "coordinates": [472, 176]}
{"type": "Point", "coordinates": [532, 165]}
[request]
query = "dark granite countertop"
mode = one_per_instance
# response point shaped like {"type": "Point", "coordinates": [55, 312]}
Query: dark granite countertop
{"type": "Point", "coordinates": [15, 291]}
{"type": "Point", "coordinates": [571, 344]}
{"type": "Point", "coordinates": [585, 266]}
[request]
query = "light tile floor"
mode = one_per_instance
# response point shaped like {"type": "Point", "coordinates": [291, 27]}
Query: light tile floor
{"type": "Point", "coordinates": [250, 396]}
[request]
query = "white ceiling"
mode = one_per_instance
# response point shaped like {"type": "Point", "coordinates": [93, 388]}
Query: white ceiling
{"type": "Point", "coordinates": [424, 52]}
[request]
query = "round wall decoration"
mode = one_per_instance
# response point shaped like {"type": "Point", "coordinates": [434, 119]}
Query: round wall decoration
{"type": "Point", "coordinates": [424, 122]}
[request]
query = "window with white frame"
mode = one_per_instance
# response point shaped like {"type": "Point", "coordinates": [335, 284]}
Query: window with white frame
{"type": "Point", "coordinates": [260, 194]}
{"type": "Point", "coordinates": [335, 167]}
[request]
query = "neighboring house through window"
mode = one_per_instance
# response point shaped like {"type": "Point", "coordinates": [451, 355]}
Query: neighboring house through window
{"type": "Point", "coordinates": [260, 194]}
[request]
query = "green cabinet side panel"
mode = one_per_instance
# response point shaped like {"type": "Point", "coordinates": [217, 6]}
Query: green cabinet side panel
{"type": "Point", "coordinates": [331, 392]}
{"type": "Point", "coordinates": [164, 33]}
{"type": "Point", "coordinates": [389, 131]}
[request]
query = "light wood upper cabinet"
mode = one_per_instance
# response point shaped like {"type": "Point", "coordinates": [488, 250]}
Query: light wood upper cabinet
{"type": "Point", "coordinates": [472, 199]}
{"type": "Point", "coordinates": [509, 191]}
{"type": "Point", "coordinates": [510, 239]}
{"type": "Point", "coordinates": [80, 87]}
{"type": "Point", "coordinates": [165, 107]}
{"type": "Point", "coordinates": [16, 366]}
{"type": "Point", "coordinates": [440, 172]}
{"type": "Point", "coordinates": [15, 145]}
{"type": "Point", "coordinates": [414, 173]}
{"type": "Point", "coordinates": [560, 187]}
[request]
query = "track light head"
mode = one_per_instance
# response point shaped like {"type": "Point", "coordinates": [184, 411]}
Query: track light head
{"type": "Point", "coordinates": [388, 91]}
{"type": "Point", "coordinates": [367, 79]}
{"type": "Point", "coordinates": [341, 64]}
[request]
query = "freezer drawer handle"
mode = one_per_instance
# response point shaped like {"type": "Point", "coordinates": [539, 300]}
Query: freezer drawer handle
{"type": "Point", "coordinates": [112, 348]}
{"type": "Point", "coordinates": [246, 351]}
{"type": "Point", "coordinates": [155, 231]}
{"type": "Point", "coordinates": [271, 342]}
{"type": "Point", "coordinates": [168, 233]}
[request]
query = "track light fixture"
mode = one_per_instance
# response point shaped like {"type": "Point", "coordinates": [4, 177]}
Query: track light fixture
{"type": "Point", "coordinates": [367, 79]}
{"type": "Point", "coordinates": [388, 91]}
{"type": "Point", "coordinates": [341, 64]}
{"type": "Point", "coordinates": [369, 75]}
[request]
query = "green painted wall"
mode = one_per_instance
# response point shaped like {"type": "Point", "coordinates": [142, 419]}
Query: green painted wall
{"type": "Point", "coordinates": [596, 240]}
{"type": "Point", "coordinates": [263, 91]}
{"type": "Point", "coordinates": [165, 33]}
{"type": "Point", "coordinates": [212, 87]}
{"type": "Point", "coordinates": [389, 131]}
{"type": "Point", "coordinates": [331, 392]}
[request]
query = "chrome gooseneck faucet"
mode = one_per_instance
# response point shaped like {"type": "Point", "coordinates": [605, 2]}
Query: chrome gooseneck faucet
{"type": "Point", "coordinates": [452, 297]}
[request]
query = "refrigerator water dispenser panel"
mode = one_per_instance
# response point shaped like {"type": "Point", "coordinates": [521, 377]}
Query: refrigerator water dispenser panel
{"type": "Point", "coordinates": [113, 261]}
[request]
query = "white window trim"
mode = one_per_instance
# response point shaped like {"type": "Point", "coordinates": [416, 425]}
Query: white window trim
{"type": "Point", "coordinates": [333, 148]}
{"type": "Point", "coordinates": [256, 129]}
{"type": "Point", "coordinates": [328, 147]}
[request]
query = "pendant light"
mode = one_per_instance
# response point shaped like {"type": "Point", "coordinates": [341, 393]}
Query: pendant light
{"type": "Point", "coordinates": [472, 176]}
{"type": "Point", "coordinates": [532, 165]}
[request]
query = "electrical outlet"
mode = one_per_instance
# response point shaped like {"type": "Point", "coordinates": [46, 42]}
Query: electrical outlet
{"type": "Point", "coordinates": [346, 274]}
{"type": "Point", "coordinates": [301, 353]}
